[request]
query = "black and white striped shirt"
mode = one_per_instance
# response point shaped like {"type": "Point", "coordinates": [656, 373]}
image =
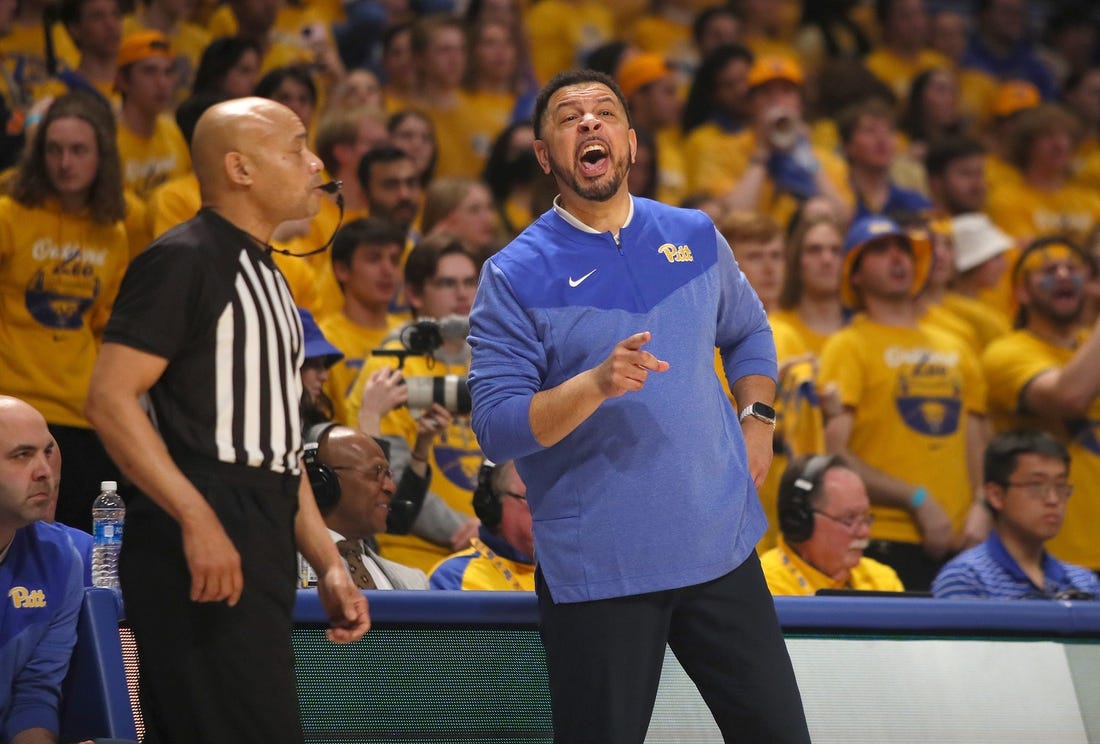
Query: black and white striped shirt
{"type": "Point", "coordinates": [208, 298]}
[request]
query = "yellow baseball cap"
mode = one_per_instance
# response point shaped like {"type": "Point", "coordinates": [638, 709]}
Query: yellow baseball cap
{"type": "Point", "coordinates": [143, 45]}
{"type": "Point", "coordinates": [1013, 96]}
{"type": "Point", "coordinates": [640, 70]}
{"type": "Point", "coordinates": [769, 68]}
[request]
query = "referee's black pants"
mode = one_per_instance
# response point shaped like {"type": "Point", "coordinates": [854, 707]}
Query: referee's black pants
{"type": "Point", "coordinates": [211, 673]}
{"type": "Point", "coordinates": [604, 660]}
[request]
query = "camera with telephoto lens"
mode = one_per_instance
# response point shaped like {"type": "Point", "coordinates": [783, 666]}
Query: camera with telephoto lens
{"type": "Point", "coordinates": [423, 338]}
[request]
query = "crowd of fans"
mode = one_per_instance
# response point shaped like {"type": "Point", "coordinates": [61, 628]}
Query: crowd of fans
{"type": "Point", "coordinates": [971, 129]}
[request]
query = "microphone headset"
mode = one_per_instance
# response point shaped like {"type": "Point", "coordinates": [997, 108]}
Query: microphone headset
{"type": "Point", "coordinates": [799, 482]}
{"type": "Point", "coordinates": [332, 187]}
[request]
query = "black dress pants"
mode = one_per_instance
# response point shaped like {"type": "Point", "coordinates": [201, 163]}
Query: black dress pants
{"type": "Point", "coordinates": [604, 660]}
{"type": "Point", "coordinates": [212, 673]}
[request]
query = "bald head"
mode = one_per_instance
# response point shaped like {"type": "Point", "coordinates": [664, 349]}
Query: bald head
{"type": "Point", "coordinates": [254, 166]}
{"type": "Point", "coordinates": [13, 409]}
{"type": "Point", "coordinates": [235, 126]}
{"type": "Point", "coordinates": [342, 444]}
{"type": "Point", "coordinates": [28, 467]}
{"type": "Point", "coordinates": [366, 485]}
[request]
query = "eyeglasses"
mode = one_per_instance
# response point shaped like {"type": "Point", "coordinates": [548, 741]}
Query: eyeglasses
{"type": "Point", "coordinates": [1039, 490]}
{"type": "Point", "coordinates": [377, 473]}
{"type": "Point", "coordinates": [450, 282]}
{"type": "Point", "coordinates": [514, 495]}
{"type": "Point", "coordinates": [850, 522]}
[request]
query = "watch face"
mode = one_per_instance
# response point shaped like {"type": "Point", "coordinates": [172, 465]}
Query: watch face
{"type": "Point", "coordinates": [764, 410]}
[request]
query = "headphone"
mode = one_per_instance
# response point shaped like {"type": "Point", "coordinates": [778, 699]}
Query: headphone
{"type": "Point", "coordinates": [486, 501]}
{"type": "Point", "coordinates": [322, 478]}
{"type": "Point", "coordinates": [326, 483]}
{"type": "Point", "coordinates": [796, 515]}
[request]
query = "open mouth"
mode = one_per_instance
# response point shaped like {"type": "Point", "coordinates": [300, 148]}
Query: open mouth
{"type": "Point", "coordinates": [594, 159]}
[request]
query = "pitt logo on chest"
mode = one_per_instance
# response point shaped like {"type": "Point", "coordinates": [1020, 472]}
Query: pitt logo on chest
{"type": "Point", "coordinates": [675, 253]}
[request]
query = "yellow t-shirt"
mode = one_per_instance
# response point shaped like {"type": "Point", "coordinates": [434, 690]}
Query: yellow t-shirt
{"type": "Point", "coordinates": [938, 316]}
{"type": "Point", "coordinates": [813, 340]}
{"type": "Point", "coordinates": [562, 32]}
{"type": "Point", "coordinates": [798, 409]}
{"type": "Point", "coordinates": [977, 89]}
{"type": "Point", "coordinates": [136, 221]}
{"type": "Point", "coordinates": [798, 422]}
{"type": "Point", "coordinates": [357, 343]}
{"type": "Point", "coordinates": [1010, 363]}
{"type": "Point", "coordinates": [55, 87]}
{"type": "Point", "coordinates": [699, 148]}
{"type": "Point", "coordinates": [669, 38]}
{"type": "Point", "coordinates": [465, 133]}
{"type": "Point", "coordinates": [59, 275]}
{"type": "Point", "coordinates": [898, 73]}
{"type": "Point", "coordinates": [147, 162]}
{"type": "Point", "coordinates": [910, 391]}
{"type": "Point", "coordinates": [787, 574]}
{"type": "Point", "coordinates": [988, 324]}
{"type": "Point", "coordinates": [1025, 212]}
{"type": "Point", "coordinates": [26, 45]}
{"type": "Point", "coordinates": [454, 459]}
{"type": "Point", "coordinates": [291, 19]}
{"type": "Point", "coordinates": [1086, 164]}
{"type": "Point", "coordinates": [174, 202]}
{"type": "Point", "coordinates": [300, 279]}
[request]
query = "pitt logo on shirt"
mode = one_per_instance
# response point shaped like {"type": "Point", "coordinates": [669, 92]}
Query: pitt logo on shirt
{"type": "Point", "coordinates": [676, 253]}
{"type": "Point", "coordinates": [21, 597]}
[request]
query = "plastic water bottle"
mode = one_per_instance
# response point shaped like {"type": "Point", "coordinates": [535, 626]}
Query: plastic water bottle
{"type": "Point", "coordinates": [108, 513]}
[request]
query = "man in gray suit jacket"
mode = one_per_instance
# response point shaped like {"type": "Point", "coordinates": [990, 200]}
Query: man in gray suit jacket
{"type": "Point", "coordinates": [354, 493]}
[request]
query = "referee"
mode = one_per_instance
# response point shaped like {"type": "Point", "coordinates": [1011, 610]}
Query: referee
{"type": "Point", "coordinates": [205, 325]}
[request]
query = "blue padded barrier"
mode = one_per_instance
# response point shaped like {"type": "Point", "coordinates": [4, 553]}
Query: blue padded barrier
{"type": "Point", "coordinates": [95, 699]}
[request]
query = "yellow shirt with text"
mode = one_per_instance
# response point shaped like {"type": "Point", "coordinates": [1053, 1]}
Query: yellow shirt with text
{"type": "Point", "coordinates": [910, 391]}
{"type": "Point", "coordinates": [59, 276]}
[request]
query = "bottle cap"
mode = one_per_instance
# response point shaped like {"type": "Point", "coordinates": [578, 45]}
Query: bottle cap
{"type": "Point", "coordinates": [108, 486]}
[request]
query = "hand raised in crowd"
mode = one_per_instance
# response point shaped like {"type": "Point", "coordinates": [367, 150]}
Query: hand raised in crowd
{"type": "Point", "coordinates": [345, 605]}
{"type": "Point", "coordinates": [935, 528]}
{"type": "Point", "coordinates": [383, 391]}
{"type": "Point", "coordinates": [628, 366]}
{"type": "Point", "coordinates": [433, 422]}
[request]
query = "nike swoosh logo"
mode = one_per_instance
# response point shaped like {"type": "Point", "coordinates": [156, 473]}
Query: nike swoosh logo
{"type": "Point", "coordinates": [577, 282]}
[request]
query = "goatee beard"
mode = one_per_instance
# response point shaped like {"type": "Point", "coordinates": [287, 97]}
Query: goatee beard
{"type": "Point", "coordinates": [596, 192]}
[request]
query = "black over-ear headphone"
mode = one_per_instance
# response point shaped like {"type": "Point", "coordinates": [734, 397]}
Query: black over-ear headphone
{"type": "Point", "coordinates": [796, 515]}
{"type": "Point", "coordinates": [486, 501]}
{"type": "Point", "coordinates": [322, 478]}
